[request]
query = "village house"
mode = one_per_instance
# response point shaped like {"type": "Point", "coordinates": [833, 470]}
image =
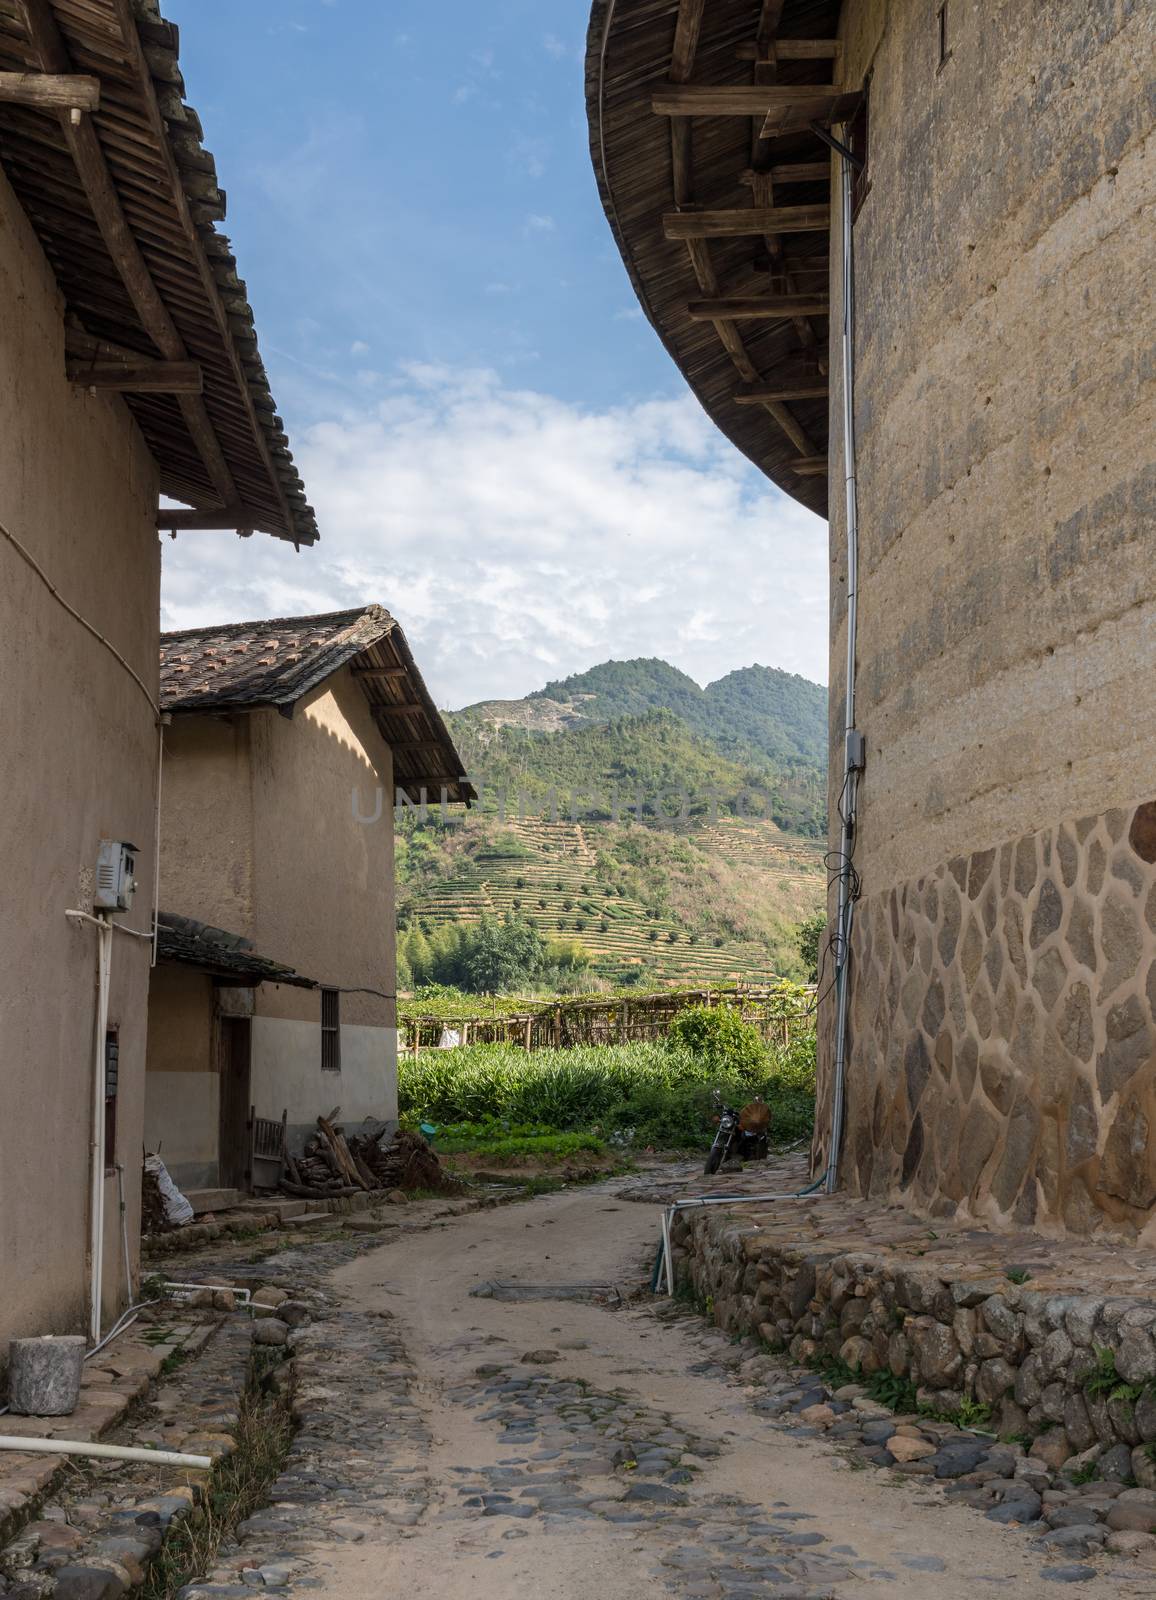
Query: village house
{"type": "Point", "coordinates": [983, 175]}
{"type": "Point", "coordinates": [288, 743]}
{"type": "Point", "coordinates": [128, 369]}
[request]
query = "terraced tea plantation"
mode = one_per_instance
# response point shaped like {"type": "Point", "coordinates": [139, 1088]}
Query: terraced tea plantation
{"type": "Point", "coordinates": [711, 901]}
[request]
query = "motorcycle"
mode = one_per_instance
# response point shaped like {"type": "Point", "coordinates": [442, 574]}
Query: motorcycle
{"type": "Point", "coordinates": [741, 1134]}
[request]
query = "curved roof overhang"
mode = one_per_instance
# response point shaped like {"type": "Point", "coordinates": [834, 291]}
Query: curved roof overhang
{"type": "Point", "coordinates": [717, 189]}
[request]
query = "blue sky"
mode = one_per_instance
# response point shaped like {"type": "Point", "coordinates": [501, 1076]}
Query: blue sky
{"type": "Point", "coordinates": [497, 445]}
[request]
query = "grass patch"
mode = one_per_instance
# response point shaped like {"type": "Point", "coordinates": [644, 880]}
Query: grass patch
{"type": "Point", "coordinates": [501, 1139]}
{"type": "Point", "coordinates": [239, 1485]}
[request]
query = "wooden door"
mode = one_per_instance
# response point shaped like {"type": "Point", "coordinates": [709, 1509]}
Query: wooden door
{"type": "Point", "coordinates": [234, 1135]}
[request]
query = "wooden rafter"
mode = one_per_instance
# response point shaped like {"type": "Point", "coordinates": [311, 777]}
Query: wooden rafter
{"type": "Point", "coordinates": [758, 308]}
{"type": "Point", "coordinates": [695, 228]}
{"type": "Point", "coordinates": [758, 394]}
{"type": "Point", "coordinates": [139, 377]}
{"type": "Point", "coordinates": [50, 91]}
{"type": "Point", "coordinates": [737, 223]}
{"type": "Point", "coordinates": [800, 172]}
{"type": "Point", "coordinates": [379, 672]}
{"type": "Point", "coordinates": [232, 517]}
{"type": "Point", "coordinates": [104, 203]}
{"type": "Point", "coordinates": [790, 50]}
{"type": "Point", "coordinates": [739, 99]}
{"type": "Point", "coordinates": [133, 35]}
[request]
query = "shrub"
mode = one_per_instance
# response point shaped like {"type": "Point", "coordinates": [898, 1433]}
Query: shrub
{"type": "Point", "coordinates": [718, 1037]}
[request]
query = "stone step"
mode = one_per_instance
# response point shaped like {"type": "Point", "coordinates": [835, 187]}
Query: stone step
{"type": "Point", "coordinates": [274, 1204]}
{"type": "Point", "coordinates": [203, 1200]}
{"type": "Point", "coordinates": [310, 1219]}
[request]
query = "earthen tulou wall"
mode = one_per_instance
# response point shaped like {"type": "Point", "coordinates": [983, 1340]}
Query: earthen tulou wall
{"type": "Point", "coordinates": [1002, 1048]}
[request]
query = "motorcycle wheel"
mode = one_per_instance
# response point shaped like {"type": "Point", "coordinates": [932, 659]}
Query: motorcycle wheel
{"type": "Point", "coordinates": [714, 1159]}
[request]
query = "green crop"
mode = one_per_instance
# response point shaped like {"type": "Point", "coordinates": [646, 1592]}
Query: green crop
{"type": "Point", "coordinates": [643, 1094]}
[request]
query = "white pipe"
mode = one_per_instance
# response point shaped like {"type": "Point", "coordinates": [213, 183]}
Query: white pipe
{"type": "Point", "coordinates": [245, 1295]}
{"type": "Point", "coordinates": [110, 1452]}
{"type": "Point", "coordinates": [124, 1228]}
{"type": "Point", "coordinates": [96, 1199]}
{"type": "Point", "coordinates": [850, 775]}
{"type": "Point", "coordinates": [666, 1251]}
{"type": "Point", "coordinates": [162, 722]}
{"type": "Point", "coordinates": [123, 1323]}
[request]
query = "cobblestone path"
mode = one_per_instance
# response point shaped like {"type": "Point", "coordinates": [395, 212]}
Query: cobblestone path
{"type": "Point", "coordinates": [546, 1438]}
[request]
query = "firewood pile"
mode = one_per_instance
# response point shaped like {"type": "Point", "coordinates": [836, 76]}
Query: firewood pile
{"type": "Point", "coordinates": [331, 1164]}
{"type": "Point", "coordinates": [404, 1162]}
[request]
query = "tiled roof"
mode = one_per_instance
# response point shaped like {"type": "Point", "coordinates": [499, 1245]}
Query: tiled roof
{"type": "Point", "coordinates": [185, 942]}
{"type": "Point", "coordinates": [274, 662]}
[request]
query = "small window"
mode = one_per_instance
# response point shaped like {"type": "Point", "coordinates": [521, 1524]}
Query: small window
{"type": "Point", "coordinates": [111, 1077]}
{"type": "Point", "coordinates": [331, 1030]}
{"type": "Point", "coordinates": [943, 39]}
{"type": "Point", "coordinates": [858, 141]}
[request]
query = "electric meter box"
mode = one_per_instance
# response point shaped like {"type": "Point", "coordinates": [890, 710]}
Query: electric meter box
{"type": "Point", "coordinates": [115, 876]}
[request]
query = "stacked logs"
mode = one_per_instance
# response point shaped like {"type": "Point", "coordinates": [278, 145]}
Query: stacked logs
{"type": "Point", "coordinates": [404, 1162]}
{"type": "Point", "coordinates": [331, 1165]}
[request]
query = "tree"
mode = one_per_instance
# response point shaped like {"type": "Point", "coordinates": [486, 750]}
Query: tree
{"type": "Point", "coordinates": [418, 956]}
{"type": "Point", "coordinates": [809, 936]}
{"type": "Point", "coordinates": [497, 957]}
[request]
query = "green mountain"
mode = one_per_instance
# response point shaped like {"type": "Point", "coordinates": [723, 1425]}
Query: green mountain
{"type": "Point", "coordinates": [584, 832]}
{"type": "Point", "coordinates": [755, 714]}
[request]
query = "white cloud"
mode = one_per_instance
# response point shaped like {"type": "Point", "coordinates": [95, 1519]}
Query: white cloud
{"type": "Point", "coordinates": [518, 537]}
{"type": "Point", "coordinates": [536, 223]}
{"type": "Point", "coordinates": [554, 46]}
{"type": "Point", "coordinates": [359, 348]}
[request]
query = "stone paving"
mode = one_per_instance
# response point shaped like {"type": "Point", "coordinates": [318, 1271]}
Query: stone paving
{"type": "Point", "coordinates": [563, 1453]}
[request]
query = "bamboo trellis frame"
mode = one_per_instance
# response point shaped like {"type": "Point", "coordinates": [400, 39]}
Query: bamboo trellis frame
{"type": "Point", "coordinates": [775, 1011]}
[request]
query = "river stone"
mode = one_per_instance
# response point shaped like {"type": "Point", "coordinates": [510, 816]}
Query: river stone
{"type": "Point", "coordinates": [1116, 1467]}
{"type": "Point", "coordinates": [270, 1331]}
{"type": "Point", "coordinates": [1052, 1448]}
{"type": "Point", "coordinates": [937, 1353]}
{"type": "Point", "coordinates": [1145, 1414]}
{"type": "Point", "coordinates": [908, 1449]}
{"type": "Point", "coordinates": [44, 1375]}
{"type": "Point", "coordinates": [1128, 1516]}
{"type": "Point", "coordinates": [1136, 1356]}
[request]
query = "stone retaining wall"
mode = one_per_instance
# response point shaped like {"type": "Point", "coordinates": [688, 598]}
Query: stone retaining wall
{"type": "Point", "coordinates": [1025, 1354]}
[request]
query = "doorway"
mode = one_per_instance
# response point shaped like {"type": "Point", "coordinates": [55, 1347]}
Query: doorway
{"type": "Point", "coordinates": [233, 1145]}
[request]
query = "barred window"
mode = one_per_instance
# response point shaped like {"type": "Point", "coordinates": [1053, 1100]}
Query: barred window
{"type": "Point", "coordinates": [331, 1030]}
{"type": "Point", "coordinates": [111, 1076]}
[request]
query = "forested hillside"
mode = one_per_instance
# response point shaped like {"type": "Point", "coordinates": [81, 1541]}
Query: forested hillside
{"type": "Point", "coordinates": [648, 830]}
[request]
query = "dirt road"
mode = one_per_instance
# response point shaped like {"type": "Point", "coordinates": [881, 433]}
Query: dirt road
{"type": "Point", "coordinates": [516, 1471]}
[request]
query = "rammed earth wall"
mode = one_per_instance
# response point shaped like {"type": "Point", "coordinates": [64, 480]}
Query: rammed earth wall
{"type": "Point", "coordinates": [1003, 1053]}
{"type": "Point", "coordinates": [1026, 1353]}
{"type": "Point", "coordinates": [1006, 639]}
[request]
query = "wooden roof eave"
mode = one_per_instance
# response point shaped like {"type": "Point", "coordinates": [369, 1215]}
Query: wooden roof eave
{"type": "Point", "coordinates": [123, 198]}
{"type": "Point", "coordinates": [411, 723]}
{"type": "Point", "coordinates": [762, 382]}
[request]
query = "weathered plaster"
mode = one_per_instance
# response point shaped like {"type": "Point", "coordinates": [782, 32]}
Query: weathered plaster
{"type": "Point", "coordinates": [78, 746]}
